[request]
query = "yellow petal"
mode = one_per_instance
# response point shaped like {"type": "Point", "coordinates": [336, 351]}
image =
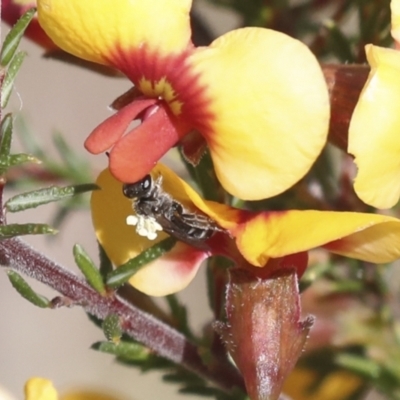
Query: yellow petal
{"type": "Point", "coordinates": [271, 110]}
{"type": "Point", "coordinates": [110, 208]}
{"type": "Point", "coordinates": [338, 385]}
{"type": "Point", "coordinates": [374, 131]}
{"type": "Point", "coordinates": [85, 394]}
{"type": "Point", "coordinates": [369, 237]}
{"type": "Point", "coordinates": [103, 31]}
{"type": "Point", "coordinates": [260, 236]}
{"type": "Point", "coordinates": [40, 389]}
{"type": "Point", "coordinates": [377, 244]}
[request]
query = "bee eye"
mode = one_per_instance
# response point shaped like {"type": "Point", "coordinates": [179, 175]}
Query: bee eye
{"type": "Point", "coordinates": [146, 182]}
{"type": "Point", "coordinates": [137, 189]}
{"type": "Point", "coordinates": [128, 189]}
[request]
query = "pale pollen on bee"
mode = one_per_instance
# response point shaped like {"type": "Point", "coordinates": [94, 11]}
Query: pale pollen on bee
{"type": "Point", "coordinates": [145, 226]}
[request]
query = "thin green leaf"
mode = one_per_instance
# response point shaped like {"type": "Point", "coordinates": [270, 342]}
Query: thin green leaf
{"type": "Point", "coordinates": [6, 160]}
{"type": "Point", "coordinates": [206, 178]}
{"type": "Point", "coordinates": [312, 274]}
{"type": "Point", "coordinates": [13, 37]}
{"type": "Point", "coordinates": [105, 263]}
{"type": "Point", "coordinates": [396, 332]}
{"type": "Point", "coordinates": [61, 215]}
{"type": "Point", "coordinates": [360, 365]}
{"type": "Point", "coordinates": [22, 158]}
{"type": "Point", "coordinates": [348, 286]}
{"type": "Point", "coordinates": [6, 131]}
{"type": "Point", "coordinates": [122, 274]}
{"type": "Point", "coordinates": [125, 350]}
{"type": "Point", "coordinates": [112, 328]}
{"type": "Point", "coordinates": [180, 314]}
{"type": "Point", "coordinates": [74, 164]}
{"type": "Point", "coordinates": [12, 230]}
{"type": "Point", "coordinates": [97, 321]}
{"type": "Point", "coordinates": [79, 173]}
{"type": "Point", "coordinates": [65, 151]}
{"type": "Point", "coordinates": [15, 160]}
{"type": "Point", "coordinates": [44, 196]}
{"type": "Point", "coordinates": [181, 375]}
{"type": "Point", "coordinates": [198, 390]}
{"type": "Point", "coordinates": [26, 291]}
{"type": "Point", "coordinates": [89, 269]}
{"type": "Point", "coordinates": [29, 141]}
{"type": "Point", "coordinates": [9, 79]}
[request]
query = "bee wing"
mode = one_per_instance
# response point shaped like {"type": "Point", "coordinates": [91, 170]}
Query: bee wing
{"type": "Point", "coordinates": [177, 228]}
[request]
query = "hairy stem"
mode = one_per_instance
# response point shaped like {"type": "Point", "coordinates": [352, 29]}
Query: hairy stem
{"type": "Point", "coordinates": [141, 326]}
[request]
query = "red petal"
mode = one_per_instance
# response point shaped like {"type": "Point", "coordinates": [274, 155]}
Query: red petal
{"type": "Point", "coordinates": [137, 153]}
{"type": "Point", "coordinates": [109, 131]}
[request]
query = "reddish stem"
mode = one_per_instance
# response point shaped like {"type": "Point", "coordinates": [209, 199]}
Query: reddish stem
{"type": "Point", "coordinates": [345, 83]}
{"type": "Point", "coordinates": [141, 326]}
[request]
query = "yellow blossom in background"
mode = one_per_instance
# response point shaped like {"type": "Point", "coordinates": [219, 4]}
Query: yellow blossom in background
{"type": "Point", "coordinates": [43, 389]}
{"type": "Point", "coordinates": [375, 125]}
{"type": "Point", "coordinates": [85, 394]}
{"type": "Point", "coordinates": [338, 385]}
{"type": "Point", "coordinates": [40, 389]}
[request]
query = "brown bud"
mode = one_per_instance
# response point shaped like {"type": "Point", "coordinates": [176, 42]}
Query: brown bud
{"type": "Point", "coordinates": [264, 333]}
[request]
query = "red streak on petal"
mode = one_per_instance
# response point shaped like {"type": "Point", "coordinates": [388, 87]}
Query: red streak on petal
{"type": "Point", "coordinates": [298, 261]}
{"type": "Point", "coordinates": [109, 131]}
{"type": "Point", "coordinates": [243, 217]}
{"type": "Point", "coordinates": [185, 259]}
{"type": "Point", "coordinates": [197, 103]}
{"type": "Point", "coordinates": [138, 151]}
{"type": "Point", "coordinates": [147, 64]}
{"type": "Point", "coordinates": [344, 244]}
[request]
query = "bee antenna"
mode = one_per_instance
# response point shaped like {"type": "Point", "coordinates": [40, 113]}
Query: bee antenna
{"type": "Point", "coordinates": [159, 180]}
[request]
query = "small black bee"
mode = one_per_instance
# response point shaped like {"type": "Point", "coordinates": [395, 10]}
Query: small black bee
{"type": "Point", "coordinates": [150, 201]}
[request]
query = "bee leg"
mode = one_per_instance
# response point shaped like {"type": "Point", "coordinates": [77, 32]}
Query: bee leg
{"type": "Point", "coordinates": [173, 211]}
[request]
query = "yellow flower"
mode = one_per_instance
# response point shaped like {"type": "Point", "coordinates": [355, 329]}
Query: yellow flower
{"type": "Point", "coordinates": [249, 238]}
{"type": "Point", "coordinates": [258, 97]}
{"type": "Point", "coordinates": [338, 385]}
{"type": "Point", "coordinates": [43, 389]}
{"type": "Point", "coordinates": [40, 389]}
{"type": "Point", "coordinates": [375, 125]}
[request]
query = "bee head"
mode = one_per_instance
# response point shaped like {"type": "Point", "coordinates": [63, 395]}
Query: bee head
{"type": "Point", "coordinates": [139, 189]}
